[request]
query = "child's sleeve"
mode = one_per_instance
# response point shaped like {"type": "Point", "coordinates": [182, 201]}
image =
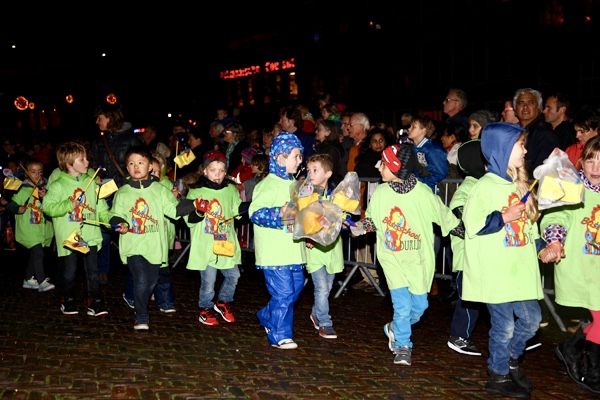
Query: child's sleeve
{"type": "Point", "coordinates": [115, 217]}
{"type": "Point", "coordinates": [261, 211]}
{"type": "Point", "coordinates": [477, 218]}
{"type": "Point", "coordinates": [438, 167]}
{"type": "Point", "coordinates": [55, 204]}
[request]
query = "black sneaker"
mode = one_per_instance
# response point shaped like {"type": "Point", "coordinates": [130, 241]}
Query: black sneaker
{"type": "Point", "coordinates": [463, 346]}
{"type": "Point", "coordinates": [96, 307]}
{"type": "Point", "coordinates": [503, 384]}
{"type": "Point", "coordinates": [68, 307]}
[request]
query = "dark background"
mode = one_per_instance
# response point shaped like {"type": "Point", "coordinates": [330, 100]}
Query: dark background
{"type": "Point", "coordinates": [380, 57]}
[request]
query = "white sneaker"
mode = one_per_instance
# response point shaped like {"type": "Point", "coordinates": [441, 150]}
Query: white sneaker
{"type": "Point", "coordinates": [286, 344]}
{"type": "Point", "coordinates": [31, 283]}
{"type": "Point", "coordinates": [46, 285]}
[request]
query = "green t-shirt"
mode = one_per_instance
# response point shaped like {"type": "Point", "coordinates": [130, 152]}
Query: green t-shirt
{"type": "Point", "coordinates": [275, 247]}
{"type": "Point", "coordinates": [57, 204]}
{"type": "Point", "coordinates": [145, 210]}
{"type": "Point", "coordinates": [405, 235]}
{"type": "Point", "coordinates": [577, 276]}
{"type": "Point", "coordinates": [457, 244]}
{"type": "Point", "coordinates": [223, 205]}
{"type": "Point", "coordinates": [499, 267]}
{"type": "Point", "coordinates": [32, 227]}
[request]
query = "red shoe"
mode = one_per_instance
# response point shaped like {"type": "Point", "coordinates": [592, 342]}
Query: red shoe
{"type": "Point", "coordinates": [207, 317]}
{"type": "Point", "coordinates": [223, 308]}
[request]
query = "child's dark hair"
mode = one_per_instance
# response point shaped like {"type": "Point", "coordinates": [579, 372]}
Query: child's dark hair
{"type": "Point", "coordinates": [261, 161]}
{"type": "Point", "coordinates": [143, 151]}
{"type": "Point", "coordinates": [324, 159]}
{"type": "Point", "coordinates": [591, 149]}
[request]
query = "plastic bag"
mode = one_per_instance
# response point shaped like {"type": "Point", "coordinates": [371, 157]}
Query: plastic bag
{"type": "Point", "coordinates": [347, 194]}
{"type": "Point", "coordinates": [559, 181]}
{"type": "Point", "coordinates": [302, 193]}
{"type": "Point", "coordinates": [320, 221]}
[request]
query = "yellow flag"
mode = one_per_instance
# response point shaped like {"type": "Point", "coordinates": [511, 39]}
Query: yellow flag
{"type": "Point", "coordinates": [12, 184]}
{"type": "Point", "coordinates": [106, 189]}
{"type": "Point", "coordinates": [76, 243]}
{"type": "Point", "coordinates": [184, 158]}
{"type": "Point", "coordinates": [36, 193]}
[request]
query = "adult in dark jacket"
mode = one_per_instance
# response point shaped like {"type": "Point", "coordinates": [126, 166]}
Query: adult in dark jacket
{"type": "Point", "coordinates": [120, 137]}
{"type": "Point", "coordinates": [377, 140]}
{"type": "Point", "coordinates": [328, 135]}
{"type": "Point", "coordinates": [235, 140]}
{"type": "Point", "coordinates": [541, 140]}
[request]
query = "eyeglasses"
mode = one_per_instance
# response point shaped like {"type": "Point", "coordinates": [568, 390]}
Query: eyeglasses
{"type": "Point", "coordinates": [354, 124]}
{"type": "Point", "coordinates": [449, 99]}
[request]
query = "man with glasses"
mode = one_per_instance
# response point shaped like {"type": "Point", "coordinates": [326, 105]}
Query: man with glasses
{"type": "Point", "coordinates": [455, 104]}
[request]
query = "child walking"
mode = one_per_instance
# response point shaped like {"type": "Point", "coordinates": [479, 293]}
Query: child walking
{"type": "Point", "coordinates": [211, 228]}
{"type": "Point", "coordinates": [573, 233]}
{"type": "Point", "coordinates": [33, 231]}
{"type": "Point", "coordinates": [70, 200]}
{"type": "Point", "coordinates": [500, 262]}
{"type": "Point", "coordinates": [401, 212]}
{"type": "Point", "coordinates": [139, 208]}
{"type": "Point", "coordinates": [322, 262]}
{"type": "Point", "coordinates": [471, 162]}
{"type": "Point", "coordinates": [281, 258]}
{"type": "Point", "coordinates": [163, 292]}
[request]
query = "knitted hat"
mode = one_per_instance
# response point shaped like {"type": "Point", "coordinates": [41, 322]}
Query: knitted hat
{"type": "Point", "coordinates": [470, 158]}
{"type": "Point", "coordinates": [399, 159]}
{"type": "Point", "coordinates": [483, 117]}
{"type": "Point", "coordinates": [249, 153]}
{"type": "Point", "coordinates": [214, 155]}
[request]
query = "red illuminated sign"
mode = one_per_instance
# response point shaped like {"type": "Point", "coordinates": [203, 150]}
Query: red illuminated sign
{"type": "Point", "coordinates": [256, 69]}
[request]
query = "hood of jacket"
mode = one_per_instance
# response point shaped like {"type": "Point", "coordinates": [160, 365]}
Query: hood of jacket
{"type": "Point", "coordinates": [497, 142]}
{"type": "Point", "coordinates": [140, 184]}
{"type": "Point", "coordinates": [283, 143]}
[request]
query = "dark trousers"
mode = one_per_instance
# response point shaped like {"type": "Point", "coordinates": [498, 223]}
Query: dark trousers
{"type": "Point", "coordinates": [465, 313]}
{"type": "Point", "coordinates": [69, 272]}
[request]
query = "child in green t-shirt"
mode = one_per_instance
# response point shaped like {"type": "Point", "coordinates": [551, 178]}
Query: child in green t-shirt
{"type": "Point", "coordinates": [139, 208]}
{"type": "Point", "coordinates": [401, 212]}
{"type": "Point", "coordinates": [70, 201]}
{"type": "Point", "coordinates": [33, 231]}
{"type": "Point", "coordinates": [322, 262]}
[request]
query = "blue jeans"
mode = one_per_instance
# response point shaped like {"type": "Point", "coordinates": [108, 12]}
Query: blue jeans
{"type": "Point", "coordinates": [207, 285]}
{"type": "Point", "coordinates": [284, 286]}
{"type": "Point", "coordinates": [145, 277]}
{"type": "Point", "coordinates": [69, 272]}
{"type": "Point", "coordinates": [323, 282]}
{"type": "Point", "coordinates": [163, 292]}
{"type": "Point", "coordinates": [408, 309]}
{"type": "Point", "coordinates": [507, 335]}
{"type": "Point", "coordinates": [465, 314]}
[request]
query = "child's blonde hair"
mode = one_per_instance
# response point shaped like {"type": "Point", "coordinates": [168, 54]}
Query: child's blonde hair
{"type": "Point", "coordinates": [67, 152]}
{"type": "Point", "coordinates": [161, 161]}
{"type": "Point", "coordinates": [521, 177]}
{"type": "Point", "coordinates": [590, 150]}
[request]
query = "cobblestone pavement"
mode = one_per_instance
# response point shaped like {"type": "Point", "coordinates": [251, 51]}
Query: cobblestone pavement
{"type": "Point", "coordinates": [48, 355]}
